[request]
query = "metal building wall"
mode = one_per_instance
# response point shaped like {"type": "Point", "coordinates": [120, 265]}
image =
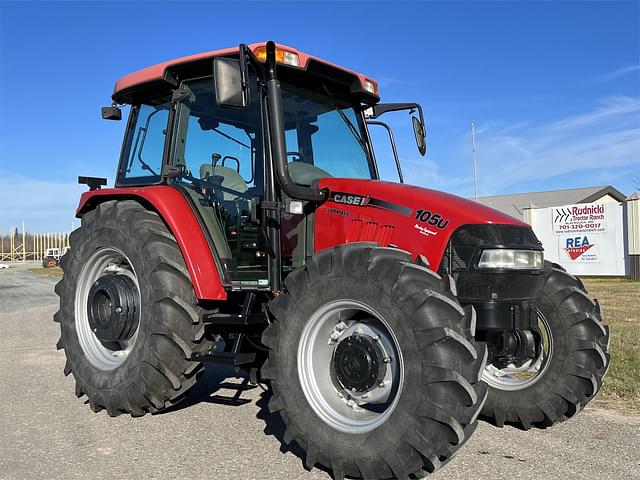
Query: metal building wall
{"type": "Point", "coordinates": [633, 230]}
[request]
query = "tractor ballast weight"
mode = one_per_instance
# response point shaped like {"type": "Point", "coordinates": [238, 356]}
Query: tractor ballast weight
{"type": "Point", "coordinates": [248, 226]}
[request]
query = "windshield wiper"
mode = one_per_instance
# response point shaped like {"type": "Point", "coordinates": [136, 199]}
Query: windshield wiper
{"type": "Point", "coordinates": [345, 119]}
{"type": "Point", "coordinates": [142, 132]}
{"type": "Point", "coordinates": [145, 165]}
{"type": "Point", "coordinates": [229, 137]}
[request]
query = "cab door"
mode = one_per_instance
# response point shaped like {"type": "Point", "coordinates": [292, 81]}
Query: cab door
{"type": "Point", "coordinates": [218, 155]}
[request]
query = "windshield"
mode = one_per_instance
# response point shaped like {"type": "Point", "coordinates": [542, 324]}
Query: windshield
{"type": "Point", "coordinates": [325, 136]}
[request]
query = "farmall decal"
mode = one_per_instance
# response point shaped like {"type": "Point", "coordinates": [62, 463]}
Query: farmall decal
{"type": "Point", "coordinates": [581, 248]}
{"type": "Point", "coordinates": [585, 218]}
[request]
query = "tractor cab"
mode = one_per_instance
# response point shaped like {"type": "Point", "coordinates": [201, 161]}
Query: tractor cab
{"type": "Point", "coordinates": [206, 128]}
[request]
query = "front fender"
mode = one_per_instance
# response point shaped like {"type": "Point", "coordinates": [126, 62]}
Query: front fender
{"type": "Point", "coordinates": [183, 224]}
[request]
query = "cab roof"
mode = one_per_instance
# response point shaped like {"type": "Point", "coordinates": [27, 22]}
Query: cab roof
{"type": "Point", "coordinates": [165, 72]}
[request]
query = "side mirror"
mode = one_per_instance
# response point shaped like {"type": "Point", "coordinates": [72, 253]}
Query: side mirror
{"type": "Point", "coordinates": [418, 122]}
{"type": "Point", "coordinates": [111, 113]}
{"type": "Point", "coordinates": [230, 83]}
{"type": "Point", "coordinates": [418, 130]}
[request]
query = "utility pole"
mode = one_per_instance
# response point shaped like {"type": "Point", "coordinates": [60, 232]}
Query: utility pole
{"type": "Point", "coordinates": [475, 166]}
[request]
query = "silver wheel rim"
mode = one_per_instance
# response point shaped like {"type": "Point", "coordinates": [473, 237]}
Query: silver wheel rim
{"type": "Point", "coordinates": [342, 409]}
{"type": "Point", "coordinates": [104, 261]}
{"type": "Point", "coordinates": [514, 378]}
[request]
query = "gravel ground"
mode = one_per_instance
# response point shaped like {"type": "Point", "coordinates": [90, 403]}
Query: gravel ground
{"type": "Point", "coordinates": [22, 290]}
{"type": "Point", "coordinates": [218, 432]}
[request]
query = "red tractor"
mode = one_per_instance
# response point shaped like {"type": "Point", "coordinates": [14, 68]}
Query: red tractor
{"type": "Point", "coordinates": [248, 226]}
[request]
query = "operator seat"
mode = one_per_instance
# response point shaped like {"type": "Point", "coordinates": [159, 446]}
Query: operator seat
{"type": "Point", "coordinates": [231, 180]}
{"type": "Point", "coordinates": [233, 201]}
{"type": "Point", "coordinates": [305, 174]}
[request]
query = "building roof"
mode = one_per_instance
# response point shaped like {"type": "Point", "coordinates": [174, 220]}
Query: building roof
{"type": "Point", "coordinates": [514, 204]}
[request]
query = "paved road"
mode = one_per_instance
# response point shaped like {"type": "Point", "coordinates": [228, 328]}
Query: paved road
{"type": "Point", "coordinates": [218, 432]}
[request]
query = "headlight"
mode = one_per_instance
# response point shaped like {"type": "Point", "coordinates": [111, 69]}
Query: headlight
{"type": "Point", "coordinates": [511, 259]}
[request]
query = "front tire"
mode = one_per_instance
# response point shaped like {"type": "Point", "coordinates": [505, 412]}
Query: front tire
{"type": "Point", "coordinates": [575, 359]}
{"type": "Point", "coordinates": [140, 362]}
{"type": "Point", "coordinates": [330, 405]}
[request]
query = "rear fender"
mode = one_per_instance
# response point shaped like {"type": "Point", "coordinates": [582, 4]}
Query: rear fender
{"type": "Point", "coordinates": [183, 224]}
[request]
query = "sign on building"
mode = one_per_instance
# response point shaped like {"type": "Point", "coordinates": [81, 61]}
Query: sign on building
{"type": "Point", "coordinates": [586, 239]}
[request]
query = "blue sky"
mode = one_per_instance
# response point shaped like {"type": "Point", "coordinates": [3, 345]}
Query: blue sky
{"type": "Point", "coordinates": [554, 87]}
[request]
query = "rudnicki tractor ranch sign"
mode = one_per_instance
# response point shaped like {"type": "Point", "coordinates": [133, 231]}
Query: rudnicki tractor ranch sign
{"type": "Point", "coordinates": [579, 218]}
{"type": "Point", "coordinates": [586, 239]}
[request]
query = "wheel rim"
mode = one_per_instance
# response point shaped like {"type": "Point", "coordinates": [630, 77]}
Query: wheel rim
{"type": "Point", "coordinates": [350, 366]}
{"type": "Point", "coordinates": [103, 263]}
{"type": "Point", "coordinates": [514, 378]}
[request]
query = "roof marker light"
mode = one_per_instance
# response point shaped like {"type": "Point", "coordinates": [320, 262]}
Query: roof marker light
{"type": "Point", "coordinates": [282, 56]}
{"type": "Point", "coordinates": [371, 86]}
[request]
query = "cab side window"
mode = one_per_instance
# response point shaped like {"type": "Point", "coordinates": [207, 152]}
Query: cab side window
{"type": "Point", "coordinates": [144, 148]}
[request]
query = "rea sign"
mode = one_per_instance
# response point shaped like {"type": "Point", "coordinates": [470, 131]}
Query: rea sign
{"type": "Point", "coordinates": [580, 249]}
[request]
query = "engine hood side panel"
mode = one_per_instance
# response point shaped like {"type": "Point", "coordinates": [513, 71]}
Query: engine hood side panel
{"type": "Point", "coordinates": [411, 218]}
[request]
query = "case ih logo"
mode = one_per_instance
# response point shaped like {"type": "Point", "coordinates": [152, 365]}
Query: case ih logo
{"type": "Point", "coordinates": [576, 246]}
{"type": "Point", "coordinates": [349, 199]}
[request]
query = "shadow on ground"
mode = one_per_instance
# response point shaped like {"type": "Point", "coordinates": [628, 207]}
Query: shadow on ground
{"type": "Point", "coordinates": [216, 387]}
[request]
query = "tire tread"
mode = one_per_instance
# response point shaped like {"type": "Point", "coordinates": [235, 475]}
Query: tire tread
{"type": "Point", "coordinates": [178, 329]}
{"type": "Point", "coordinates": [455, 377]}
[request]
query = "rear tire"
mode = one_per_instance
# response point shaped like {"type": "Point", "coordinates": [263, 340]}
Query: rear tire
{"type": "Point", "coordinates": [433, 411]}
{"type": "Point", "coordinates": [154, 371]}
{"type": "Point", "coordinates": [579, 359]}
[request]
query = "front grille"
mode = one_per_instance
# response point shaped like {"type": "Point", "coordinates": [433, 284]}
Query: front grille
{"type": "Point", "coordinates": [474, 285]}
{"type": "Point", "coordinates": [452, 263]}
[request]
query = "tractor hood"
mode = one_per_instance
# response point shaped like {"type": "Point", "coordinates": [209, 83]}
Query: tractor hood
{"type": "Point", "coordinates": [412, 218]}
